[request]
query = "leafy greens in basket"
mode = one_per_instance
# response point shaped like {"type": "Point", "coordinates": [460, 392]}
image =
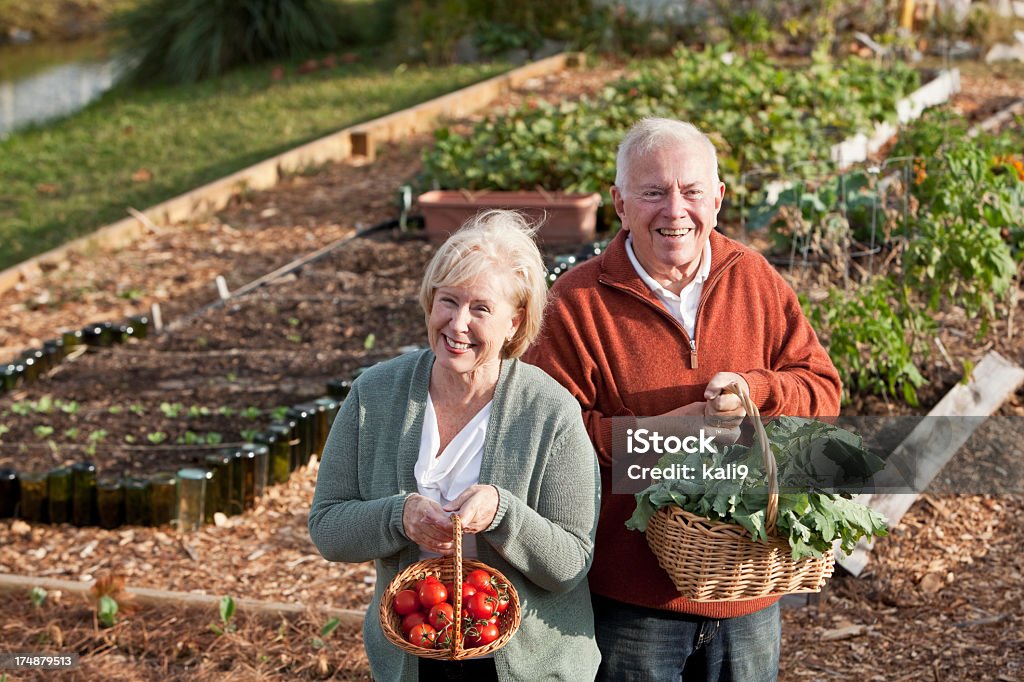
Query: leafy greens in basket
{"type": "Point", "coordinates": [812, 456]}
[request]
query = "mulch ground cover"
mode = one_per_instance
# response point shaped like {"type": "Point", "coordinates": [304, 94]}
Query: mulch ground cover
{"type": "Point", "coordinates": [941, 599]}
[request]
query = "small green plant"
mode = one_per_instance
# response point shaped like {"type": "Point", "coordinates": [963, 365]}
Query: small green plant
{"type": "Point", "coordinates": [369, 342]}
{"type": "Point", "coordinates": [293, 321]}
{"type": "Point", "coordinates": [21, 408]}
{"type": "Point", "coordinates": [38, 596]}
{"type": "Point", "coordinates": [232, 377]}
{"type": "Point", "coordinates": [69, 407]}
{"type": "Point", "coordinates": [294, 338]}
{"type": "Point", "coordinates": [279, 413]}
{"type": "Point", "coordinates": [115, 409]}
{"type": "Point", "coordinates": [171, 410]}
{"type": "Point", "coordinates": [43, 431]}
{"type": "Point", "coordinates": [214, 438]}
{"type": "Point", "coordinates": [129, 438]}
{"type": "Point", "coordinates": [107, 611]}
{"type": "Point", "coordinates": [72, 433]}
{"type": "Point", "coordinates": [227, 612]}
{"type": "Point", "coordinates": [3, 430]}
{"type": "Point", "coordinates": [249, 435]}
{"type": "Point", "coordinates": [196, 411]}
{"type": "Point", "coordinates": [156, 437]}
{"type": "Point", "coordinates": [226, 411]}
{"type": "Point", "coordinates": [44, 405]}
{"type": "Point", "coordinates": [95, 438]}
{"type": "Point", "coordinates": [137, 409]}
{"type": "Point", "coordinates": [325, 632]}
{"type": "Point", "coordinates": [251, 412]}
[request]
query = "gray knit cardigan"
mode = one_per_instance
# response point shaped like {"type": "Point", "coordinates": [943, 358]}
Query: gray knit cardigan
{"type": "Point", "coordinates": [538, 455]}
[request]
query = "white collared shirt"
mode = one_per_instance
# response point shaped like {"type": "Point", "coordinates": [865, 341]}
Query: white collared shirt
{"type": "Point", "coordinates": [444, 477]}
{"type": "Point", "coordinates": [683, 306]}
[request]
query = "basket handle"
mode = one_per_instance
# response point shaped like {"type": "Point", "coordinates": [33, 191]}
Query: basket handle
{"type": "Point", "coordinates": [457, 585]}
{"type": "Point", "coordinates": [770, 467]}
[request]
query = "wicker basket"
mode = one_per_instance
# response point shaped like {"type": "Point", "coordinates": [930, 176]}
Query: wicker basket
{"type": "Point", "coordinates": [713, 561]}
{"type": "Point", "coordinates": [447, 569]}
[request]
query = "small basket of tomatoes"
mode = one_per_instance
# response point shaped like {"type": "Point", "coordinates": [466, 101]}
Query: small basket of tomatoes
{"type": "Point", "coordinates": [448, 608]}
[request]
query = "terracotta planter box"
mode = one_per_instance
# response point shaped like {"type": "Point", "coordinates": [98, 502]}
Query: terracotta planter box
{"type": "Point", "coordinates": [567, 218]}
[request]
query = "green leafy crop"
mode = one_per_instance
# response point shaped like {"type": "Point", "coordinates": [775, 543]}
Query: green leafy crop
{"type": "Point", "coordinates": [811, 456]}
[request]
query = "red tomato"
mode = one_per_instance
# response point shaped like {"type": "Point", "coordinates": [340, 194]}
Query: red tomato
{"type": "Point", "coordinates": [503, 602]}
{"type": "Point", "coordinates": [432, 593]}
{"type": "Point", "coordinates": [481, 580]}
{"type": "Point", "coordinates": [482, 634]}
{"type": "Point", "coordinates": [481, 606]}
{"type": "Point", "coordinates": [413, 619]}
{"type": "Point", "coordinates": [441, 615]}
{"type": "Point", "coordinates": [467, 591]}
{"type": "Point", "coordinates": [423, 635]}
{"type": "Point", "coordinates": [406, 602]}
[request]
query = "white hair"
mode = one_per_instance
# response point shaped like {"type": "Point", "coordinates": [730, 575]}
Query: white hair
{"type": "Point", "coordinates": [651, 132]}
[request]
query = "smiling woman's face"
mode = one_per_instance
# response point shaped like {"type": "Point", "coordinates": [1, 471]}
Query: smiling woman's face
{"type": "Point", "coordinates": [669, 204]}
{"type": "Point", "coordinates": [470, 323]}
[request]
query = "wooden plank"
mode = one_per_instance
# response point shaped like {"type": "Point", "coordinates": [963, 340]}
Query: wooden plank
{"type": "Point", "coordinates": [145, 595]}
{"type": "Point", "coordinates": [993, 381]}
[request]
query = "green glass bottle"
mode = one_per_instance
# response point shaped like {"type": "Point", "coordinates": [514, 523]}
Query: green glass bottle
{"type": "Point", "coordinates": [280, 453]}
{"type": "Point", "coordinates": [41, 361]}
{"type": "Point", "coordinates": [163, 498]}
{"type": "Point", "coordinates": [58, 492]}
{"type": "Point", "coordinates": [13, 376]}
{"type": "Point", "coordinates": [72, 339]}
{"type": "Point", "coordinates": [244, 478]}
{"type": "Point", "coordinates": [10, 492]}
{"type": "Point", "coordinates": [261, 455]}
{"type": "Point", "coordinates": [136, 501]}
{"type": "Point", "coordinates": [54, 351]}
{"type": "Point", "coordinates": [339, 388]}
{"type": "Point", "coordinates": [305, 420]}
{"type": "Point", "coordinates": [83, 494]}
{"type": "Point", "coordinates": [140, 326]}
{"type": "Point", "coordinates": [329, 407]}
{"type": "Point", "coordinates": [192, 485]}
{"type": "Point", "coordinates": [34, 503]}
{"type": "Point", "coordinates": [288, 429]}
{"type": "Point", "coordinates": [218, 495]}
{"type": "Point", "coordinates": [30, 369]}
{"type": "Point", "coordinates": [109, 502]}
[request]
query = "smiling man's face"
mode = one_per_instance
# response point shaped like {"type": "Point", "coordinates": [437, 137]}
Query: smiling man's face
{"type": "Point", "coordinates": [670, 203]}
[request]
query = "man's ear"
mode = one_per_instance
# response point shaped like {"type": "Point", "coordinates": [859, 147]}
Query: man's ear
{"type": "Point", "coordinates": [620, 205]}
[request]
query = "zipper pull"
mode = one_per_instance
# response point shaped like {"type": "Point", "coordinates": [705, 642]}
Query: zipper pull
{"type": "Point", "coordinates": [693, 354]}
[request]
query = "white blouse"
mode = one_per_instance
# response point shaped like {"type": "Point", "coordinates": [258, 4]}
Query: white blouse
{"type": "Point", "coordinates": [444, 477]}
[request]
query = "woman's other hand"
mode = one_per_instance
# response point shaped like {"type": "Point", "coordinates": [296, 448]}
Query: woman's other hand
{"type": "Point", "coordinates": [426, 524]}
{"type": "Point", "coordinates": [476, 506]}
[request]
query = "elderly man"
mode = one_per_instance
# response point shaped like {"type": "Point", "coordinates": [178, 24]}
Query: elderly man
{"type": "Point", "coordinates": [670, 314]}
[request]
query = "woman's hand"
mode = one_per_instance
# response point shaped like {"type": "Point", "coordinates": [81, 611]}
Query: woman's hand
{"type": "Point", "coordinates": [426, 524]}
{"type": "Point", "coordinates": [476, 506]}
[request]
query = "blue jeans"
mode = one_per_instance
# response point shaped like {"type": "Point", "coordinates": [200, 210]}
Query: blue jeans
{"type": "Point", "coordinates": [649, 645]}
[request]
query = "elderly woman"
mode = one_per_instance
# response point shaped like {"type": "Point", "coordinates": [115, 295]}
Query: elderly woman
{"type": "Point", "coordinates": [466, 428]}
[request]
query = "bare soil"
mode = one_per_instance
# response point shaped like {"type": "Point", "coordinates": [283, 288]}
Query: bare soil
{"type": "Point", "coordinates": [942, 598]}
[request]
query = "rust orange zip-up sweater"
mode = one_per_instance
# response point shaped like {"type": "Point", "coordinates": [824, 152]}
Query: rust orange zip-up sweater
{"type": "Point", "coordinates": [609, 340]}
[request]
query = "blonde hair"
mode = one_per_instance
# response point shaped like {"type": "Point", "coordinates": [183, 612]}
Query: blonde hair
{"type": "Point", "coordinates": [491, 242]}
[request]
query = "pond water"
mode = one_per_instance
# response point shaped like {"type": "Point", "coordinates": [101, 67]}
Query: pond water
{"type": "Point", "coordinates": [42, 82]}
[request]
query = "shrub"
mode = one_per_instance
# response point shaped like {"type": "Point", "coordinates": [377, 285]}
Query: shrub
{"type": "Point", "coordinates": [182, 41]}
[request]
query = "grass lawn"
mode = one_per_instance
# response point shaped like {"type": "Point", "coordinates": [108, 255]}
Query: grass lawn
{"type": "Point", "coordinates": [65, 179]}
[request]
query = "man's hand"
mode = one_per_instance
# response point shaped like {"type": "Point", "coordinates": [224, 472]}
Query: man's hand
{"type": "Point", "coordinates": [724, 410]}
{"type": "Point", "coordinates": [426, 524]}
